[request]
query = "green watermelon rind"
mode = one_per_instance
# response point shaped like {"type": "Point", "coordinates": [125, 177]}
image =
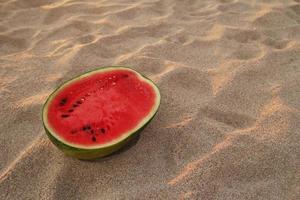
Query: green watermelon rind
{"type": "Point", "coordinates": [93, 153]}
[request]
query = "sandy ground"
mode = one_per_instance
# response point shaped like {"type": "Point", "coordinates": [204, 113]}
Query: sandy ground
{"type": "Point", "coordinates": [229, 73]}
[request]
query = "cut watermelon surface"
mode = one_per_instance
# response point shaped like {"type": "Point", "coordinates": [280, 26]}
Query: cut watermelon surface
{"type": "Point", "coordinates": [98, 112]}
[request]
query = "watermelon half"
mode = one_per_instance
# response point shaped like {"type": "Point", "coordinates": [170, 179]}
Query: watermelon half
{"type": "Point", "coordinates": [98, 112]}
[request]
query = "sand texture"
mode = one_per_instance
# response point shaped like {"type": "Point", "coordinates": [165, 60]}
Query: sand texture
{"type": "Point", "coordinates": [229, 74]}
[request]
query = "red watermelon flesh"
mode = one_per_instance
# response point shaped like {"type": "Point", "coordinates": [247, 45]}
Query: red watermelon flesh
{"type": "Point", "coordinates": [100, 107]}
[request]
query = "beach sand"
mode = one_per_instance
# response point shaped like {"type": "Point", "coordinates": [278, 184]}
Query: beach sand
{"type": "Point", "coordinates": [229, 73]}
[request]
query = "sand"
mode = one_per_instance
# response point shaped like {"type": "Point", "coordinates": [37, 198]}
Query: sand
{"type": "Point", "coordinates": [229, 74]}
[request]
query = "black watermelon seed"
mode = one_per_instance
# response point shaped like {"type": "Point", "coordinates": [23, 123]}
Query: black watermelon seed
{"type": "Point", "coordinates": [75, 105]}
{"type": "Point", "coordinates": [94, 139]}
{"type": "Point", "coordinates": [86, 128]}
{"type": "Point", "coordinates": [63, 102]}
{"type": "Point", "coordinates": [71, 110]}
{"type": "Point", "coordinates": [102, 130]}
{"type": "Point", "coordinates": [65, 115]}
{"type": "Point", "coordinates": [78, 102]}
